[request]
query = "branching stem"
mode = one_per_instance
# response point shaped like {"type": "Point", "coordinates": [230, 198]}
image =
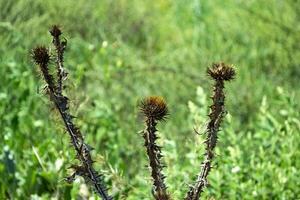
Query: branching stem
{"type": "Point", "coordinates": [41, 58]}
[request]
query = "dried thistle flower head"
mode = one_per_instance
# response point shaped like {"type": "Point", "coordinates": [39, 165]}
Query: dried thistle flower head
{"type": "Point", "coordinates": [40, 55]}
{"type": "Point", "coordinates": [55, 31]}
{"type": "Point", "coordinates": [220, 71]}
{"type": "Point", "coordinates": [154, 107]}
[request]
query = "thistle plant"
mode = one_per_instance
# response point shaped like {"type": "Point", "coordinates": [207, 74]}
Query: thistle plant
{"type": "Point", "coordinates": [154, 109]}
{"type": "Point", "coordinates": [54, 88]}
{"type": "Point", "coordinates": [219, 73]}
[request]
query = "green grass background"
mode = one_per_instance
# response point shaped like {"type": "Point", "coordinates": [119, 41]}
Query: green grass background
{"type": "Point", "coordinates": [121, 51]}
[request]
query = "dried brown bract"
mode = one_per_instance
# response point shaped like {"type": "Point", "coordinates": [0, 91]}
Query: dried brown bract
{"type": "Point", "coordinates": [154, 107]}
{"type": "Point", "coordinates": [55, 31]}
{"type": "Point", "coordinates": [40, 55]}
{"type": "Point", "coordinates": [220, 71]}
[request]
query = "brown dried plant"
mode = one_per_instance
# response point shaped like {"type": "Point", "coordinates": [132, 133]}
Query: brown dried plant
{"type": "Point", "coordinates": [219, 73]}
{"type": "Point", "coordinates": [54, 87]}
{"type": "Point", "coordinates": [155, 109]}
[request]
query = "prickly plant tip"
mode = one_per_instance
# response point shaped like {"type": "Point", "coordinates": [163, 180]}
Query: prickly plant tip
{"type": "Point", "coordinates": [60, 47]}
{"type": "Point", "coordinates": [220, 71]}
{"type": "Point", "coordinates": [55, 31]}
{"type": "Point", "coordinates": [154, 107]}
{"type": "Point", "coordinates": [40, 56]}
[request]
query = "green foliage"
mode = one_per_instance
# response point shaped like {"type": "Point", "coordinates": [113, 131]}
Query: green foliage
{"type": "Point", "coordinates": [120, 51]}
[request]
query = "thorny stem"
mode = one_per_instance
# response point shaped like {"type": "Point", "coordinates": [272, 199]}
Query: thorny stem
{"type": "Point", "coordinates": [86, 169]}
{"type": "Point", "coordinates": [220, 73]}
{"type": "Point", "coordinates": [154, 155]}
{"type": "Point", "coordinates": [82, 150]}
{"type": "Point", "coordinates": [155, 109]}
{"type": "Point", "coordinates": [60, 49]}
{"type": "Point", "coordinates": [211, 140]}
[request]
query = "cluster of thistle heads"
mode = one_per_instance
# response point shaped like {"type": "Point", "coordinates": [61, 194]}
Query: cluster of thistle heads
{"type": "Point", "coordinates": [154, 109]}
{"type": "Point", "coordinates": [41, 54]}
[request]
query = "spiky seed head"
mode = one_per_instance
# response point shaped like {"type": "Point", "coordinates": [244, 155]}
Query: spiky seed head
{"type": "Point", "coordinates": [154, 107]}
{"type": "Point", "coordinates": [40, 55]}
{"type": "Point", "coordinates": [55, 31]}
{"type": "Point", "coordinates": [221, 71]}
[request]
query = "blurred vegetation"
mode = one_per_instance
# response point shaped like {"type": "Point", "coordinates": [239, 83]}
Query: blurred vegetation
{"type": "Point", "coordinates": [120, 51]}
